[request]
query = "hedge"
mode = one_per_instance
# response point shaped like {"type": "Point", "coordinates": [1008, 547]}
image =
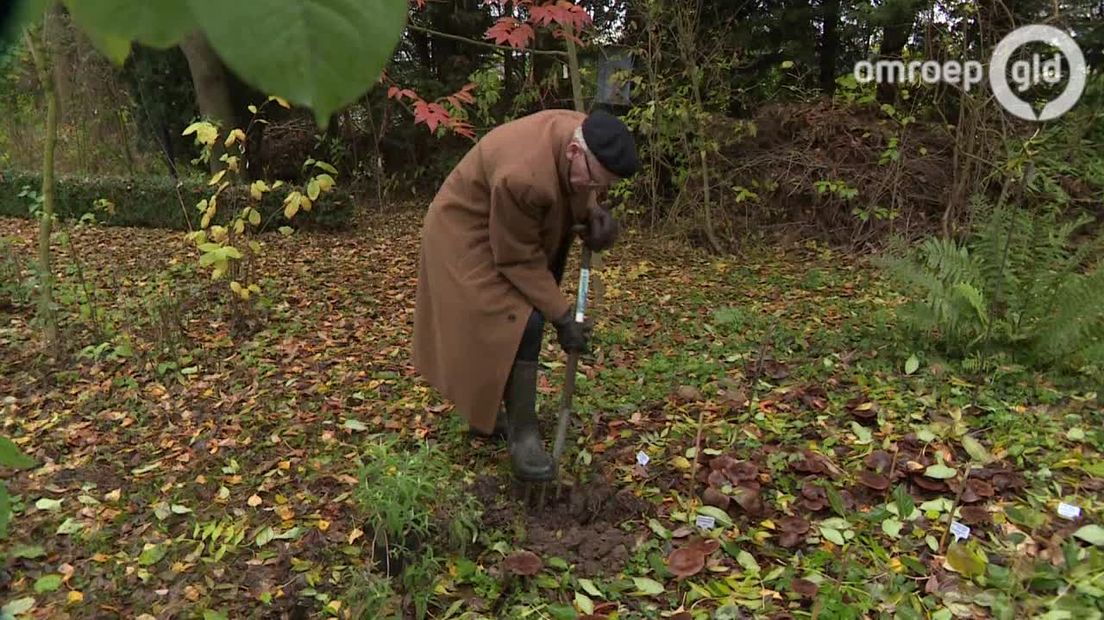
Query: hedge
{"type": "Point", "coordinates": [154, 202]}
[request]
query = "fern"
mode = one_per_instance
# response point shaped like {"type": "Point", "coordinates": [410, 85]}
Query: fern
{"type": "Point", "coordinates": [1017, 284]}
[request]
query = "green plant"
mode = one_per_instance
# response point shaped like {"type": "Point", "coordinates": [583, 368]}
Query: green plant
{"type": "Point", "coordinates": [412, 504]}
{"type": "Point", "coordinates": [10, 456]}
{"type": "Point", "coordinates": [14, 288]}
{"type": "Point", "coordinates": [838, 188]}
{"type": "Point", "coordinates": [231, 251]}
{"type": "Point", "coordinates": [1017, 283]}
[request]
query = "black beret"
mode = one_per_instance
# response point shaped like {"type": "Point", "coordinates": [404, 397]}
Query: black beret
{"type": "Point", "coordinates": [610, 141]}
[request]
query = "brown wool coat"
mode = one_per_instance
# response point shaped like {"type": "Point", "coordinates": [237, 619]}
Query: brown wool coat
{"type": "Point", "coordinates": [488, 241]}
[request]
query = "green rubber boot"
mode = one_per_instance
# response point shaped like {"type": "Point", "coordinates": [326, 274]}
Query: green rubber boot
{"type": "Point", "coordinates": [531, 463]}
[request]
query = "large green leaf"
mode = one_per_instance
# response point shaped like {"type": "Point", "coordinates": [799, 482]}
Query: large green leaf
{"type": "Point", "coordinates": [5, 510]}
{"type": "Point", "coordinates": [323, 54]}
{"type": "Point", "coordinates": [160, 23]}
{"type": "Point", "coordinates": [12, 456]}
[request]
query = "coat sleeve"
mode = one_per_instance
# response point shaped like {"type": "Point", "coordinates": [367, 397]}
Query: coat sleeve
{"type": "Point", "coordinates": [515, 227]}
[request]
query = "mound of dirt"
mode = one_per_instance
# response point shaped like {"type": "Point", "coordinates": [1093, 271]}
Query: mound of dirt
{"type": "Point", "coordinates": [583, 527]}
{"type": "Point", "coordinates": [813, 167]}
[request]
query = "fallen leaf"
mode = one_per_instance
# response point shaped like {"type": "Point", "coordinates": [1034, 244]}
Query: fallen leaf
{"type": "Point", "coordinates": [804, 587]}
{"type": "Point", "coordinates": [524, 563]}
{"type": "Point", "coordinates": [1092, 534]}
{"type": "Point", "coordinates": [686, 562]}
{"type": "Point", "coordinates": [965, 561]}
{"type": "Point", "coordinates": [648, 586]}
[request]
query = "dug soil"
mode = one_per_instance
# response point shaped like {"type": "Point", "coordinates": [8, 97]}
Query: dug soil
{"type": "Point", "coordinates": [594, 528]}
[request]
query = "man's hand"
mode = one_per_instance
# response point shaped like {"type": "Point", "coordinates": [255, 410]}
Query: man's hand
{"type": "Point", "coordinates": [602, 230]}
{"type": "Point", "coordinates": [572, 335]}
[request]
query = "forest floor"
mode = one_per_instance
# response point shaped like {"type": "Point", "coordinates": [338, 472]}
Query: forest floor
{"type": "Point", "coordinates": [186, 471]}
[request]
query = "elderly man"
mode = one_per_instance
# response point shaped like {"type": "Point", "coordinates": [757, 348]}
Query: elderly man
{"type": "Point", "coordinates": [494, 244]}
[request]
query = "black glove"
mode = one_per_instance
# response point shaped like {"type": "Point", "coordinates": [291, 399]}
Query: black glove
{"type": "Point", "coordinates": [572, 335]}
{"type": "Point", "coordinates": [602, 230]}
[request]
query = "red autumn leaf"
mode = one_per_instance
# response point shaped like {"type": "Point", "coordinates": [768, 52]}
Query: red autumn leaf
{"type": "Point", "coordinates": [395, 92]}
{"type": "Point", "coordinates": [463, 129]}
{"type": "Point", "coordinates": [432, 114]}
{"type": "Point", "coordinates": [562, 13]}
{"type": "Point", "coordinates": [510, 30]}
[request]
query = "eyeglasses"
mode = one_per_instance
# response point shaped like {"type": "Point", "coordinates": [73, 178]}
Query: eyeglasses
{"type": "Point", "coordinates": [590, 174]}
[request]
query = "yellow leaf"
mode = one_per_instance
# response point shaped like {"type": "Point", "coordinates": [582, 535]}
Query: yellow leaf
{"type": "Point", "coordinates": [256, 190]}
{"type": "Point", "coordinates": [254, 500]}
{"type": "Point", "coordinates": [291, 204]}
{"type": "Point", "coordinates": [305, 202]}
{"type": "Point", "coordinates": [325, 182]}
{"type": "Point", "coordinates": [313, 189]}
{"type": "Point", "coordinates": [244, 294]}
{"type": "Point", "coordinates": [323, 525]}
{"type": "Point", "coordinates": [256, 289]}
{"type": "Point", "coordinates": [280, 100]}
{"type": "Point", "coordinates": [205, 132]}
{"type": "Point", "coordinates": [234, 136]}
{"type": "Point", "coordinates": [237, 288]}
{"type": "Point", "coordinates": [285, 512]}
{"type": "Point", "coordinates": [284, 465]}
{"type": "Point", "coordinates": [113, 496]}
{"type": "Point", "coordinates": [254, 217]}
{"type": "Point", "coordinates": [680, 462]}
{"type": "Point", "coordinates": [277, 184]}
{"type": "Point", "coordinates": [206, 220]}
{"type": "Point", "coordinates": [355, 534]}
{"type": "Point", "coordinates": [252, 109]}
{"type": "Point", "coordinates": [239, 226]}
{"type": "Point", "coordinates": [201, 205]}
{"type": "Point", "coordinates": [74, 597]}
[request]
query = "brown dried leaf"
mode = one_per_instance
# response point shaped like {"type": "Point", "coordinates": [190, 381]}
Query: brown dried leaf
{"type": "Point", "coordinates": [744, 471]}
{"type": "Point", "coordinates": [796, 525]}
{"type": "Point", "coordinates": [686, 562]}
{"type": "Point", "coordinates": [717, 479]}
{"type": "Point", "coordinates": [688, 393]}
{"type": "Point", "coordinates": [525, 563]}
{"type": "Point", "coordinates": [804, 587]}
{"type": "Point", "coordinates": [874, 481]}
{"type": "Point", "coordinates": [713, 497]}
{"type": "Point", "coordinates": [975, 515]}
{"type": "Point", "coordinates": [879, 461]}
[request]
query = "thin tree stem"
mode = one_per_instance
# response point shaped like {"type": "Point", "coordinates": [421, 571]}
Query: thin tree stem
{"type": "Point", "coordinates": [454, 37]}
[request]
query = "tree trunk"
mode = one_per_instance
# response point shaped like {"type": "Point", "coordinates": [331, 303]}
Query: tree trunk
{"type": "Point", "coordinates": [212, 88]}
{"type": "Point", "coordinates": [829, 46]}
{"type": "Point", "coordinates": [895, 34]}
{"type": "Point", "coordinates": [46, 220]}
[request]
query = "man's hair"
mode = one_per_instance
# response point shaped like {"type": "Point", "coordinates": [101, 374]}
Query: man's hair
{"type": "Point", "coordinates": [580, 139]}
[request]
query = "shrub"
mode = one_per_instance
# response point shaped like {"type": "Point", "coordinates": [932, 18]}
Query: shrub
{"type": "Point", "coordinates": [160, 202]}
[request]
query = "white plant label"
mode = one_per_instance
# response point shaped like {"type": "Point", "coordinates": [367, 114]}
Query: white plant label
{"type": "Point", "coordinates": [1068, 511]}
{"type": "Point", "coordinates": [959, 531]}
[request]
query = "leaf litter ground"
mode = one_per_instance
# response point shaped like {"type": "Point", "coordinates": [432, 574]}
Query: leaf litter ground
{"type": "Point", "coordinates": [768, 393]}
